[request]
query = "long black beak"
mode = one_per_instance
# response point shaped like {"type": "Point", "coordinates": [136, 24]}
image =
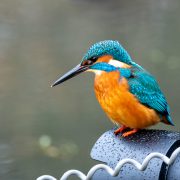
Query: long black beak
{"type": "Point", "coordinates": [73, 72]}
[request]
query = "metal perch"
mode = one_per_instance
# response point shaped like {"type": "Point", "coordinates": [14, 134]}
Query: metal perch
{"type": "Point", "coordinates": [157, 150]}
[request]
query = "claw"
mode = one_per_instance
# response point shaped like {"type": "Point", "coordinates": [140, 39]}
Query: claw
{"type": "Point", "coordinates": [129, 133]}
{"type": "Point", "coordinates": [120, 130]}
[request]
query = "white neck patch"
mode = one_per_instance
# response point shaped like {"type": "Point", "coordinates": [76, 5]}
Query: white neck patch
{"type": "Point", "coordinates": [116, 63]}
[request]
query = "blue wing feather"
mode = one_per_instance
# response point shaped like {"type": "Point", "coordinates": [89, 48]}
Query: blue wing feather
{"type": "Point", "coordinates": [143, 85]}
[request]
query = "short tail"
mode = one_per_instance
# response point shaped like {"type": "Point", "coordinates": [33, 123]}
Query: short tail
{"type": "Point", "coordinates": [167, 120]}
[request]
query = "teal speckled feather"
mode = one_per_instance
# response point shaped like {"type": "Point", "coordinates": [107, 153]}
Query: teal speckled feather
{"type": "Point", "coordinates": [146, 89]}
{"type": "Point", "coordinates": [108, 47]}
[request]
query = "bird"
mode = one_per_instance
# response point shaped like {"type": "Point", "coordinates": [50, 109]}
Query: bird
{"type": "Point", "coordinates": [129, 95]}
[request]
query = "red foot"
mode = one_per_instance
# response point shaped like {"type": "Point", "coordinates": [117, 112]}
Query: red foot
{"type": "Point", "coordinates": [120, 130]}
{"type": "Point", "coordinates": [129, 133]}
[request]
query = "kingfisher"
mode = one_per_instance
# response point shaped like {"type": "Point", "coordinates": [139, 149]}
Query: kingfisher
{"type": "Point", "coordinates": [129, 95]}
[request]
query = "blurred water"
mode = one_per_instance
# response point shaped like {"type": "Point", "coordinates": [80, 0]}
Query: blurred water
{"type": "Point", "coordinates": [48, 131]}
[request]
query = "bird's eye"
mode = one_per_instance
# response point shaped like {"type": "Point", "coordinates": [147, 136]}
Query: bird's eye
{"type": "Point", "coordinates": [94, 59]}
{"type": "Point", "coordinates": [89, 61]}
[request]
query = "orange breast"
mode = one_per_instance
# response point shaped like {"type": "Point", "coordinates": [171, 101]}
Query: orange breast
{"type": "Point", "coordinates": [120, 105]}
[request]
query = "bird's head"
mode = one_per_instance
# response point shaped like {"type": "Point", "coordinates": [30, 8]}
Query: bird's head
{"type": "Point", "coordinates": [102, 56]}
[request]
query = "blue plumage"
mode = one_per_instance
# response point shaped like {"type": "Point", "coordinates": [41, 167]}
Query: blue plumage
{"type": "Point", "coordinates": [146, 89]}
{"type": "Point", "coordinates": [108, 47]}
{"type": "Point", "coordinates": [142, 84]}
{"type": "Point", "coordinates": [103, 66]}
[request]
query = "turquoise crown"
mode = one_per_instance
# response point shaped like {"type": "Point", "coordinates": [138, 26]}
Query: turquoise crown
{"type": "Point", "coordinates": [108, 47]}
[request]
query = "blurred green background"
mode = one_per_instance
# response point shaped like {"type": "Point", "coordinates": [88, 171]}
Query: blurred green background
{"type": "Point", "coordinates": [47, 130]}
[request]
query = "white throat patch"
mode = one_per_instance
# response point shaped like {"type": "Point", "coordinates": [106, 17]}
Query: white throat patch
{"type": "Point", "coordinates": [97, 72]}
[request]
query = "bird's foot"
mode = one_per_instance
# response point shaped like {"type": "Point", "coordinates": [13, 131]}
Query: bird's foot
{"type": "Point", "coordinates": [120, 130]}
{"type": "Point", "coordinates": [129, 133]}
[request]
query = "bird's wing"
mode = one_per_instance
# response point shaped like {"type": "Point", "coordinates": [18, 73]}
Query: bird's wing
{"type": "Point", "coordinates": [146, 89]}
